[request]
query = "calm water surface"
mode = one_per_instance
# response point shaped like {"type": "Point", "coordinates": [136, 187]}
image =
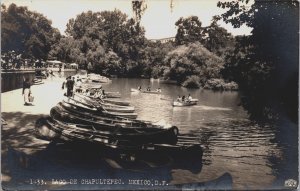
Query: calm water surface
{"type": "Point", "coordinates": [255, 156]}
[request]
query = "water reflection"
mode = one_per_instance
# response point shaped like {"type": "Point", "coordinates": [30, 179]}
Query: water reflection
{"type": "Point", "coordinates": [231, 142]}
{"type": "Point", "coordinates": [86, 162]}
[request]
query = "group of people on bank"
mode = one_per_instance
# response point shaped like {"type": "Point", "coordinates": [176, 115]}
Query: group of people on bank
{"type": "Point", "coordinates": [75, 86]}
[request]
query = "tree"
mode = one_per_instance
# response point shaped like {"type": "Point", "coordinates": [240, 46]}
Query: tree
{"type": "Point", "coordinates": [217, 39]}
{"type": "Point", "coordinates": [26, 32]}
{"type": "Point", "coordinates": [108, 40]}
{"type": "Point", "coordinates": [138, 8]}
{"type": "Point", "coordinates": [188, 30]}
{"type": "Point", "coordinates": [192, 60]}
{"type": "Point", "coordinates": [269, 69]}
{"type": "Point", "coordinates": [155, 55]}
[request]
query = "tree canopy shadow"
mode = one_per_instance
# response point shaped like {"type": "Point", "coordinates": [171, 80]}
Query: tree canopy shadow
{"type": "Point", "coordinates": [24, 157]}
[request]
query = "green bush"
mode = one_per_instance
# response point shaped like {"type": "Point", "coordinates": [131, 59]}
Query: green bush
{"type": "Point", "coordinates": [220, 84]}
{"type": "Point", "coordinates": [192, 82]}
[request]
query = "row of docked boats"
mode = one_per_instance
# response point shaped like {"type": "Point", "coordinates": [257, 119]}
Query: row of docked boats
{"type": "Point", "coordinates": [111, 124]}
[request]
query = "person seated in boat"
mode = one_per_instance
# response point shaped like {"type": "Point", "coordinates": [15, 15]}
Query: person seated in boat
{"type": "Point", "coordinates": [178, 99]}
{"type": "Point", "coordinates": [189, 99]}
{"type": "Point", "coordinates": [183, 98]}
{"type": "Point", "coordinates": [148, 89]}
{"type": "Point", "coordinates": [158, 90]}
{"type": "Point", "coordinates": [140, 88]}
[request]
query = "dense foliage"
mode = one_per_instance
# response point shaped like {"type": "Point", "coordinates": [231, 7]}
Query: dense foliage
{"type": "Point", "coordinates": [193, 65]}
{"type": "Point", "coordinates": [26, 32]}
{"type": "Point", "coordinates": [111, 42]}
{"type": "Point", "coordinates": [199, 63]}
{"type": "Point", "coordinates": [265, 64]}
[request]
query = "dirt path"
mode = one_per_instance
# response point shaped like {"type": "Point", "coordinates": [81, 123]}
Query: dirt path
{"type": "Point", "coordinates": [18, 139]}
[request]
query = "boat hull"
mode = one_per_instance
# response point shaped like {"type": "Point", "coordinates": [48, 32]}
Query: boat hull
{"type": "Point", "coordinates": [185, 103]}
{"type": "Point", "coordinates": [58, 112]}
{"type": "Point", "coordinates": [121, 110]}
{"type": "Point", "coordinates": [94, 110]}
{"type": "Point", "coordinates": [90, 118]}
{"type": "Point", "coordinates": [116, 102]}
{"type": "Point", "coordinates": [113, 137]}
{"type": "Point", "coordinates": [134, 90]}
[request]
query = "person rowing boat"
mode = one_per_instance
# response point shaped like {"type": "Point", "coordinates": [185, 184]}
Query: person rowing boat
{"type": "Point", "coordinates": [189, 99]}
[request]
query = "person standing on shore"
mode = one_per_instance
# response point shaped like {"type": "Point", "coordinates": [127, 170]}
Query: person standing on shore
{"type": "Point", "coordinates": [70, 86]}
{"type": "Point", "coordinates": [26, 91]}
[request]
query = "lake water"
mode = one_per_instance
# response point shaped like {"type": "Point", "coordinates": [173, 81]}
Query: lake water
{"type": "Point", "coordinates": [255, 156]}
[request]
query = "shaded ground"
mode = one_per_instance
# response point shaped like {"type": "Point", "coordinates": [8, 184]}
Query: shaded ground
{"type": "Point", "coordinates": [26, 161]}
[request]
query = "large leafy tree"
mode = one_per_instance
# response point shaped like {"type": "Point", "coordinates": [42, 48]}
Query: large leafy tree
{"type": "Point", "coordinates": [268, 69]}
{"type": "Point", "coordinates": [213, 37]}
{"type": "Point", "coordinates": [156, 53]}
{"type": "Point", "coordinates": [26, 32]}
{"type": "Point", "coordinates": [217, 39]}
{"type": "Point", "coordinates": [107, 33]}
{"type": "Point", "coordinates": [188, 30]}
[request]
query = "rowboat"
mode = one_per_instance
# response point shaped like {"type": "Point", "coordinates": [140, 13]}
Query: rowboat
{"type": "Point", "coordinates": [124, 144]}
{"type": "Point", "coordinates": [116, 102]}
{"type": "Point", "coordinates": [59, 112]}
{"type": "Point", "coordinates": [134, 90]}
{"type": "Point", "coordinates": [126, 115]}
{"type": "Point", "coordinates": [116, 136]}
{"type": "Point", "coordinates": [107, 107]}
{"type": "Point", "coordinates": [104, 104]}
{"type": "Point", "coordinates": [185, 103]}
{"type": "Point", "coordinates": [62, 114]}
{"type": "Point", "coordinates": [116, 109]}
{"type": "Point", "coordinates": [92, 118]}
{"type": "Point", "coordinates": [112, 94]}
{"type": "Point", "coordinates": [81, 105]}
{"type": "Point", "coordinates": [151, 92]}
